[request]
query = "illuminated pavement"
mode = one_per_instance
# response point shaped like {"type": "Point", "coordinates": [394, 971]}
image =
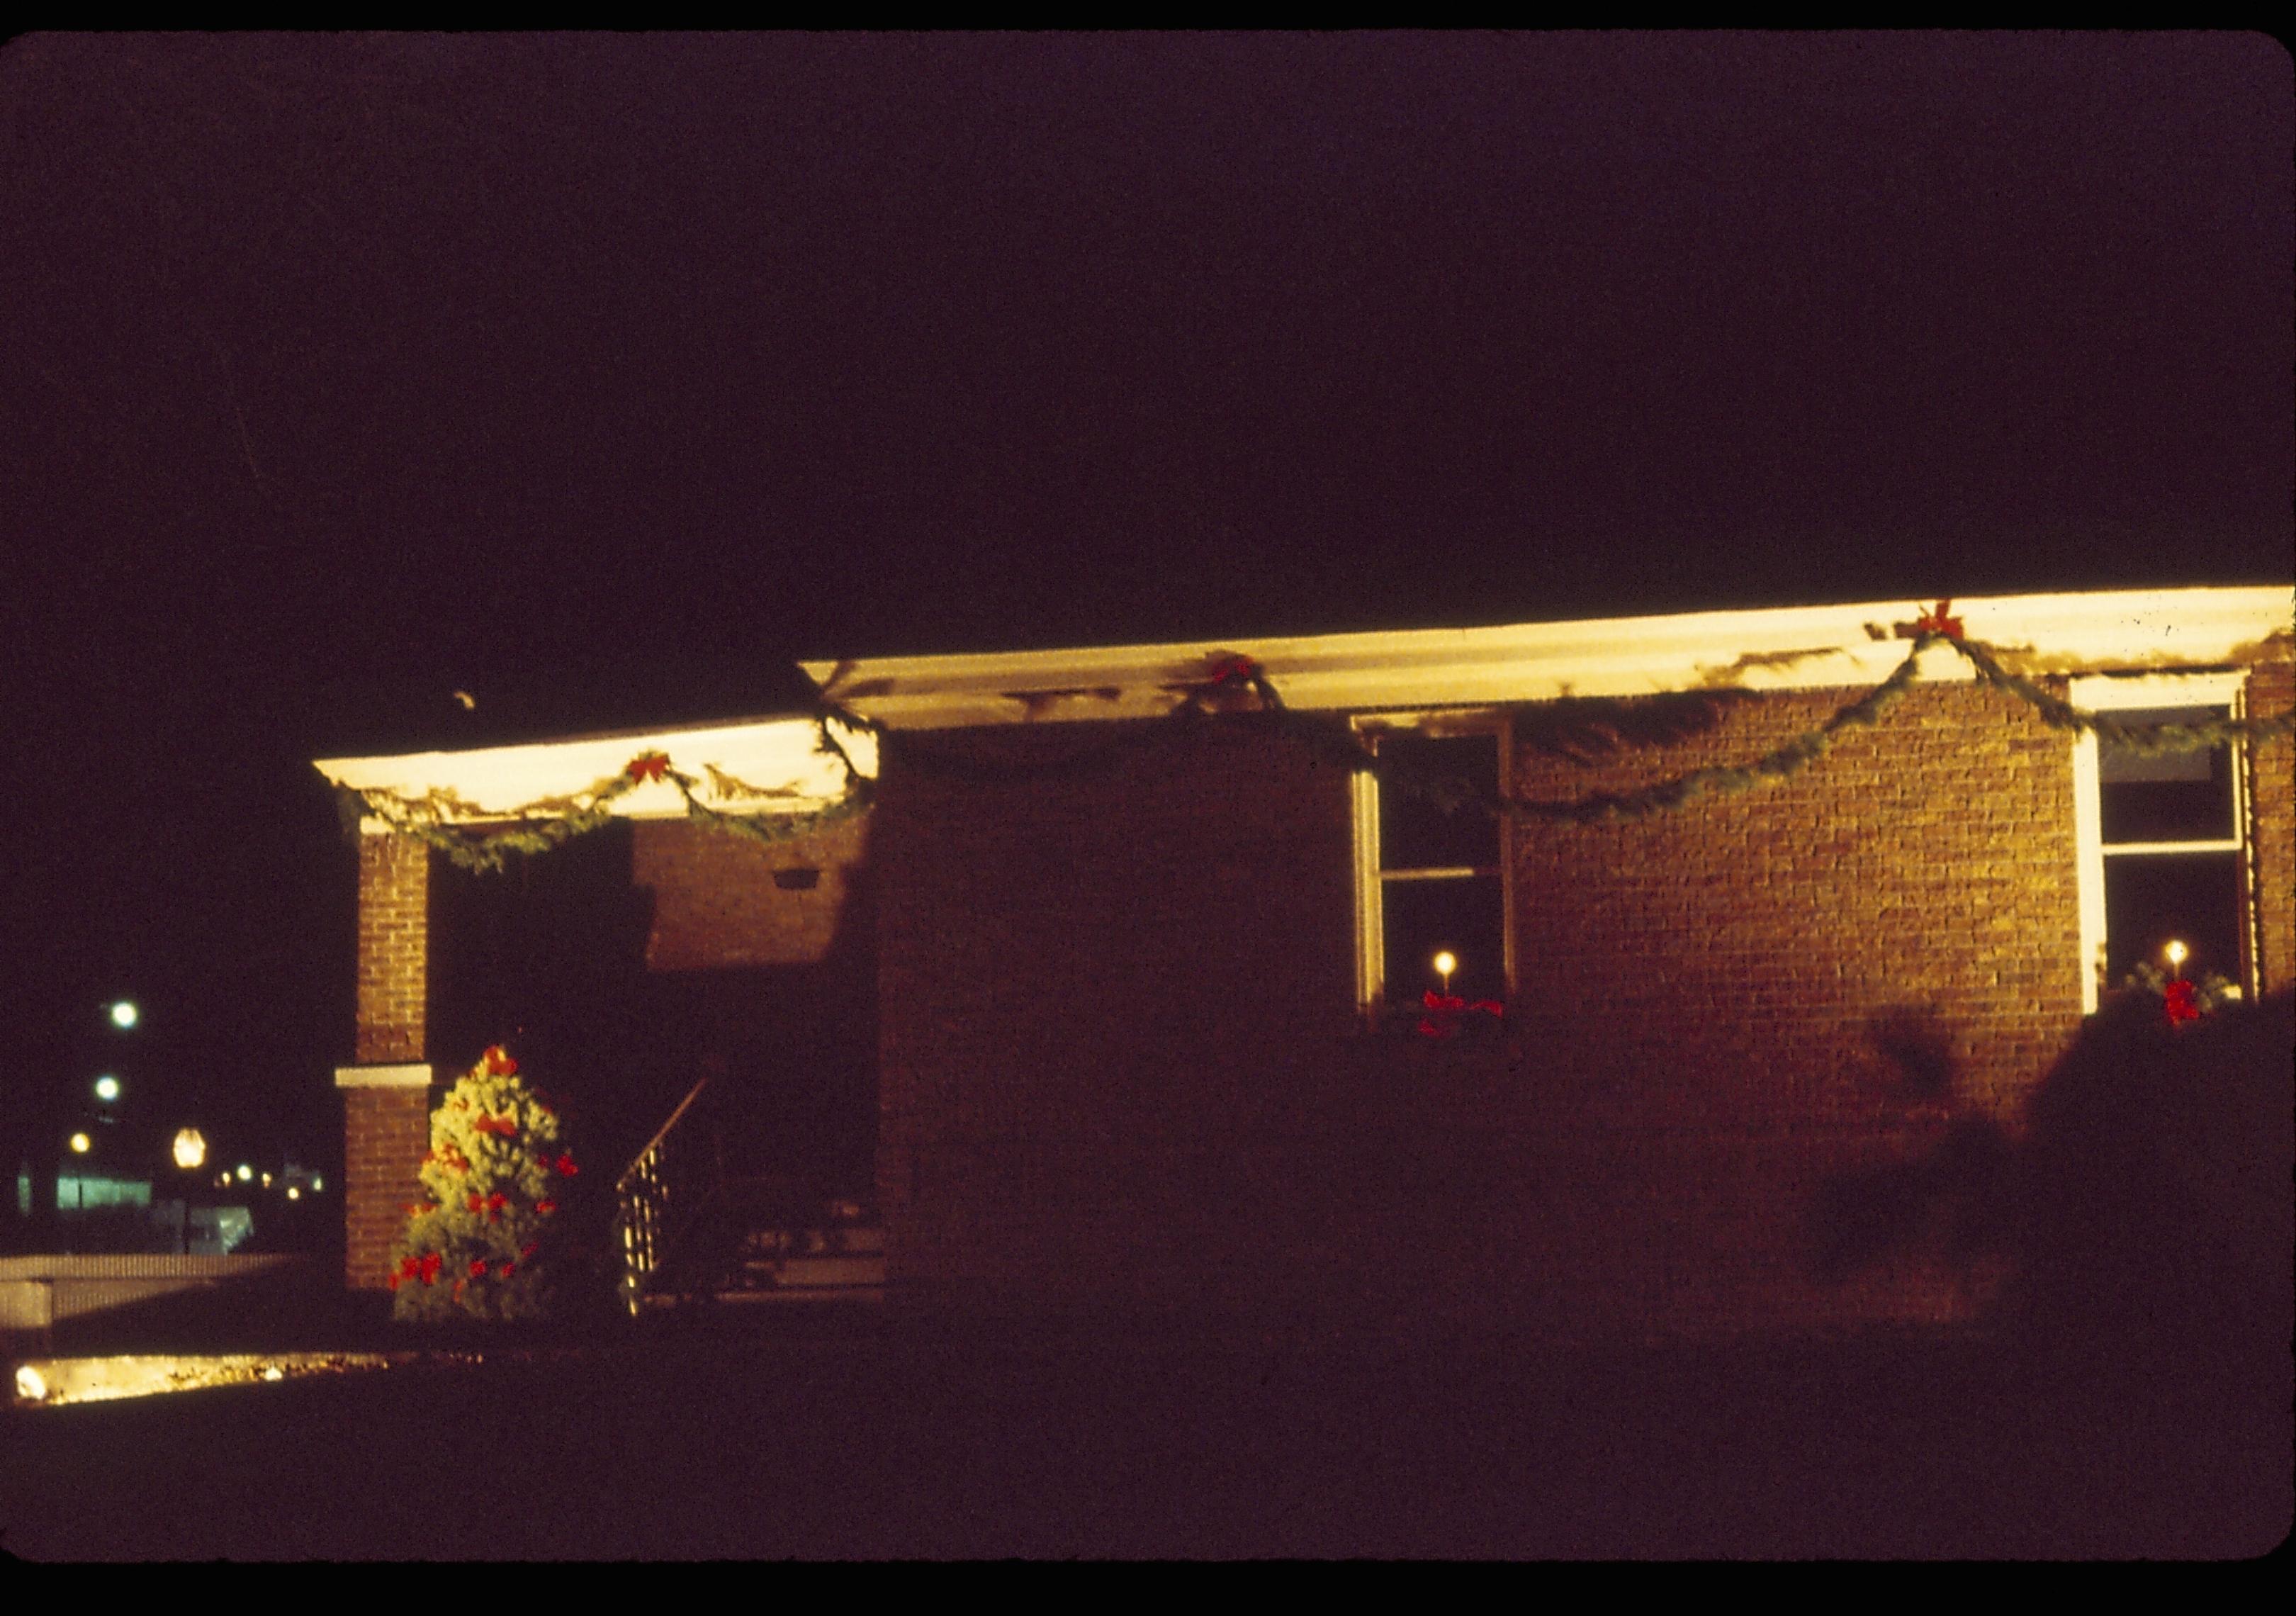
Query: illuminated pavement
{"type": "Point", "coordinates": [693, 1449]}
{"type": "Point", "coordinates": [55, 1382]}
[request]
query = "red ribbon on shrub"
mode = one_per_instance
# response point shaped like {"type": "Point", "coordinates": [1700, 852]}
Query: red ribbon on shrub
{"type": "Point", "coordinates": [1444, 1011]}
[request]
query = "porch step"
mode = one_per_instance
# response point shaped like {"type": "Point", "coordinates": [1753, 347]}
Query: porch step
{"type": "Point", "coordinates": [866, 1295]}
{"type": "Point", "coordinates": [849, 1240]}
{"type": "Point", "coordinates": [844, 1262]}
{"type": "Point", "coordinates": [786, 1273]}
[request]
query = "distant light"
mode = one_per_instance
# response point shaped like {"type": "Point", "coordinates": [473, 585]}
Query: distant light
{"type": "Point", "coordinates": [245, 1172]}
{"type": "Point", "coordinates": [107, 1088]}
{"type": "Point", "coordinates": [1447, 962]}
{"type": "Point", "coordinates": [2177, 953]}
{"type": "Point", "coordinates": [273, 1372]}
{"type": "Point", "coordinates": [317, 1184]}
{"type": "Point", "coordinates": [191, 1149]}
{"type": "Point", "coordinates": [79, 1144]}
{"type": "Point", "coordinates": [266, 1180]}
{"type": "Point", "coordinates": [293, 1193]}
{"type": "Point", "coordinates": [29, 1386]}
{"type": "Point", "coordinates": [124, 1013]}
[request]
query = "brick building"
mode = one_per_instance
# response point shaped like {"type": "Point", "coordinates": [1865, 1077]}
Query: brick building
{"type": "Point", "coordinates": [1093, 1008]}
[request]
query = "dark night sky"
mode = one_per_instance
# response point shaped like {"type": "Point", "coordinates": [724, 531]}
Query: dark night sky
{"type": "Point", "coordinates": [604, 376]}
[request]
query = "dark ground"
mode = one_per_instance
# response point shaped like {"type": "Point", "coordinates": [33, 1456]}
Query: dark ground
{"type": "Point", "coordinates": [828, 1440]}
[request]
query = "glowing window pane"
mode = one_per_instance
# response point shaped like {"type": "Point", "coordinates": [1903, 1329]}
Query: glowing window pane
{"type": "Point", "coordinates": [2151, 899]}
{"type": "Point", "coordinates": [1464, 917]}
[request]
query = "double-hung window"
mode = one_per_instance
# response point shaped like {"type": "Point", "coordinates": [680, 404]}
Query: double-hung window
{"type": "Point", "coordinates": [2162, 837]}
{"type": "Point", "coordinates": [1431, 883]}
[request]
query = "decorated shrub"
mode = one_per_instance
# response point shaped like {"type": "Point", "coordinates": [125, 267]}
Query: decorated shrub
{"type": "Point", "coordinates": [480, 1245]}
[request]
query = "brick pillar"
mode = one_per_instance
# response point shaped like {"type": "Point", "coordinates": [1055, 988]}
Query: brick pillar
{"type": "Point", "coordinates": [2272, 829]}
{"type": "Point", "coordinates": [386, 1095]}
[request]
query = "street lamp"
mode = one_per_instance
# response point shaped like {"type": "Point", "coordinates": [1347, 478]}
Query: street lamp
{"type": "Point", "coordinates": [80, 1143]}
{"type": "Point", "coordinates": [124, 1014]}
{"type": "Point", "coordinates": [191, 1151]}
{"type": "Point", "coordinates": [107, 1088]}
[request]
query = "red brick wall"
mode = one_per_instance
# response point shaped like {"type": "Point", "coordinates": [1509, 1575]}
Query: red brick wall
{"type": "Point", "coordinates": [1120, 1060]}
{"type": "Point", "coordinates": [1092, 993]}
{"type": "Point", "coordinates": [393, 947]}
{"type": "Point", "coordinates": [1710, 984]}
{"type": "Point", "coordinates": [385, 1132]}
{"type": "Point", "coordinates": [715, 901]}
{"type": "Point", "coordinates": [2271, 691]}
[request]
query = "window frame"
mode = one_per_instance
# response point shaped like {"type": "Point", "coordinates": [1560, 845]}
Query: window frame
{"type": "Point", "coordinates": [2112, 692]}
{"type": "Point", "coordinates": [1372, 878]}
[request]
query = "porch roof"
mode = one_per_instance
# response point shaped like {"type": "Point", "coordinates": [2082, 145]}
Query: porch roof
{"type": "Point", "coordinates": [779, 756]}
{"type": "Point", "coordinates": [1801, 647]}
{"type": "Point", "coordinates": [1790, 648]}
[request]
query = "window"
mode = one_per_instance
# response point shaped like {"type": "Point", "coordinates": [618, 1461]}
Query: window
{"type": "Point", "coordinates": [2161, 835]}
{"type": "Point", "coordinates": [1431, 883]}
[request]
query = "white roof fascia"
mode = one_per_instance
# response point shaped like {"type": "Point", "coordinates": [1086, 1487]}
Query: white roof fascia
{"type": "Point", "coordinates": [1801, 647]}
{"type": "Point", "coordinates": [778, 755]}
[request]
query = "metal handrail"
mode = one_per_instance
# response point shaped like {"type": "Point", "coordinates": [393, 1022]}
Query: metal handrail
{"type": "Point", "coordinates": [662, 1133]}
{"type": "Point", "coordinates": [644, 1194]}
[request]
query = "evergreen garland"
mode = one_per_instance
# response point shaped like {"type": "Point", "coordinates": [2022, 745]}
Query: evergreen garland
{"type": "Point", "coordinates": [1335, 740]}
{"type": "Point", "coordinates": [485, 839]}
{"type": "Point", "coordinates": [478, 838]}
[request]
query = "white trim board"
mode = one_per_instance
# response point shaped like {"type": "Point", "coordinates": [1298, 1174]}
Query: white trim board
{"type": "Point", "coordinates": [1803, 647]}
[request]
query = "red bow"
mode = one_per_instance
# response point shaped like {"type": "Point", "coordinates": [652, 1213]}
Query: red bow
{"type": "Point", "coordinates": [1444, 1009]}
{"type": "Point", "coordinates": [2183, 1002]}
{"type": "Point", "coordinates": [499, 1063]}
{"type": "Point", "coordinates": [1939, 620]}
{"type": "Point", "coordinates": [649, 766]}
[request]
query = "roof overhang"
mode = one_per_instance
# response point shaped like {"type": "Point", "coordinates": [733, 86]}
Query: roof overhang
{"type": "Point", "coordinates": [1801, 647]}
{"type": "Point", "coordinates": [781, 757]}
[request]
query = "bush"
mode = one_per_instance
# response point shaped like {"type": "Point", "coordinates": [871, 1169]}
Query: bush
{"type": "Point", "coordinates": [482, 1246]}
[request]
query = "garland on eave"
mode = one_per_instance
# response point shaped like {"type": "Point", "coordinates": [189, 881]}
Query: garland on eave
{"type": "Point", "coordinates": [481, 839]}
{"type": "Point", "coordinates": [1335, 741]}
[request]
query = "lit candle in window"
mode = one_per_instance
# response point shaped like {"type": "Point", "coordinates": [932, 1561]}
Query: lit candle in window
{"type": "Point", "coordinates": [2176, 951]}
{"type": "Point", "coordinates": [1445, 963]}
